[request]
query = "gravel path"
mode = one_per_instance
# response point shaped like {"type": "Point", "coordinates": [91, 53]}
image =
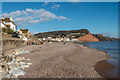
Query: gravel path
{"type": "Point", "coordinates": [56, 60]}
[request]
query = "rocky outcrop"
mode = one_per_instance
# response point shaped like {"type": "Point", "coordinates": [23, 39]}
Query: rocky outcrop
{"type": "Point", "coordinates": [88, 38]}
{"type": "Point", "coordinates": [105, 38]}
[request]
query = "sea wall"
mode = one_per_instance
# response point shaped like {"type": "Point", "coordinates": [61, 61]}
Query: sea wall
{"type": "Point", "coordinates": [88, 38]}
{"type": "Point", "coordinates": [9, 44]}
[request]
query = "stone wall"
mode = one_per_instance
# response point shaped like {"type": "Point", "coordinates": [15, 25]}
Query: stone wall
{"type": "Point", "coordinates": [88, 38]}
{"type": "Point", "coordinates": [10, 44]}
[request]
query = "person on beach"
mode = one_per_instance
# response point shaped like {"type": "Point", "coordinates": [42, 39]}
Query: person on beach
{"type": "Point", "coordinates": [29, 43]}
{"type": "Point", "coordinates": [64, 43]}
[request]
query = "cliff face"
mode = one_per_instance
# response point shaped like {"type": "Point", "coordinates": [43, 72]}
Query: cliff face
{"type": "Point", "coordinates": [88, 38]}
{"type": "Point", "coordinates": [104, 38]}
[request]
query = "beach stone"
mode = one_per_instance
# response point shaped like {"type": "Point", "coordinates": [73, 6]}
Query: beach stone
{"type": "Point", "coordinates": [17, 64]}
{"type": "Point", "coordinates": [1, 56]}
{"type": "Point", "coordinates": [5, 76]}
{"type": "Point", "coordinates": [0, 76]}
{"type": "Point", "coordinates": [4, 66]}
{"type": "Point", "coordinates": [28, 59]}
{"type": "Point", "coordinates": [17, 53]}
{"type": "Point", "coordinates": [29, 63]}
{"type": "Point", "coordinates": [1, 60]}
{"type": "Point", "coordinates": [22, 63]}
{"type": "Point", "coordinates": [10, 58]}
{"type": "Point", "coordinates": [1, 69]}
{"type": "Point", "coordinates": [19, 58]}
{"type": "Point", "coordinates": [9, 52]}
{"type": "Point", "coordinates": [12, 66]}
{"type": "Point", "coordinates": [24, 66]}
{"type": "Point", "coordinates": [17, 72]}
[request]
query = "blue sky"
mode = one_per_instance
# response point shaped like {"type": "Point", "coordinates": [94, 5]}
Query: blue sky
{"type": "Point", "coordinates": [60, 0]}
{"type": "Point", "coordinates": [97, 17]}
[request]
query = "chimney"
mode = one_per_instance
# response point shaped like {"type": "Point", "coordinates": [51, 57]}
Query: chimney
{"type": "Point", "coordinates": [11, 18]}
{"type": "Point", "coordinates": [3, 17]}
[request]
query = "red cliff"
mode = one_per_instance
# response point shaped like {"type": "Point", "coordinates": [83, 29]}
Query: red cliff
{"type": "Point", "coordinates": [88, 38]}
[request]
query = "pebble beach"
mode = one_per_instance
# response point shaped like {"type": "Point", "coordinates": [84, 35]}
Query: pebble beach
{"type": "Point", "coordinates": [61, 60]}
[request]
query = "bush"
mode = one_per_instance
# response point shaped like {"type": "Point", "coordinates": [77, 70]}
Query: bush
{"type": "Point", "coordinates": [7, 30]}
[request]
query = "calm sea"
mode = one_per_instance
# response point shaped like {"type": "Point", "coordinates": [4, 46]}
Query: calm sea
{"type": "Point", "coordinates": [111, 47]}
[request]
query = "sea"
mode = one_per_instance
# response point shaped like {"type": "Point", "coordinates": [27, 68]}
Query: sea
{"type": "Point", "coordinates": [112, 48]}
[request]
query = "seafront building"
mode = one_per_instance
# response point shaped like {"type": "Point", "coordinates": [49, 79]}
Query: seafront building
{"type": "Point", "coordinates": [8, 23]}
{"type": "Point", "coordinates": [23, 34]}
{"type": "Point", "coordinates": [59, 39]}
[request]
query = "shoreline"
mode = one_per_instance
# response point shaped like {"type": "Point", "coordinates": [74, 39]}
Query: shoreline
{"type": "Point", "coordinates": [68, 54]}
{"type": "Point", "coordinates": [103, 67]}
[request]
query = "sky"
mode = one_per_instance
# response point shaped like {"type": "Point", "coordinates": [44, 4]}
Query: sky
{"type": "Point", "coordinates": [97, 17]}
{"type": "Point", "coordinates": [60, 0]}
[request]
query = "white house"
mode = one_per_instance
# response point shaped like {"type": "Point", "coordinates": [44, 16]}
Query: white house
{"type": "Point", "coordinates": [8, 23]}
{"type": "Point", "coordinates": [73, 40]}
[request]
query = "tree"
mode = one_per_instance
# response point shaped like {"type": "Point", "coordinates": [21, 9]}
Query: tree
{"type": "Point", "coordinates": [7, 30]}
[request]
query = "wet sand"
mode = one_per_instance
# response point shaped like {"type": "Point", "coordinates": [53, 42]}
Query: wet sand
{"type": "Point", "coordinates": [58, 60]}
{"type": "Point", "coordinates": [106, 69]}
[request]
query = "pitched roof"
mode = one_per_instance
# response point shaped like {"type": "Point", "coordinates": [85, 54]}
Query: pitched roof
{"type": "Point", "coordinates": [24, 30]}
{"type": "Point", "coordinates": [7, 19]}
{"type": "Point", "coordinates": [8, 26]}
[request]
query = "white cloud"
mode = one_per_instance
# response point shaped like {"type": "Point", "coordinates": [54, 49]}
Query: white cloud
{"type": "Point", "coordinates": [55, 6]}
{"type": "Point", "coordinates": [14, 14]}
{"type": "Point", "coordinates": [45, 3]}
{"type": "Point", "coordinates": [74, 0]}
{"type": "Point", "coordinates": [30, 16]}
{"type": "Point", "coordinates": [62, 17]}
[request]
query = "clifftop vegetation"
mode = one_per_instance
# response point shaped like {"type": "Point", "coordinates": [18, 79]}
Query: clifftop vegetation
{"type": "Point", "coordinates": [71, 33]}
